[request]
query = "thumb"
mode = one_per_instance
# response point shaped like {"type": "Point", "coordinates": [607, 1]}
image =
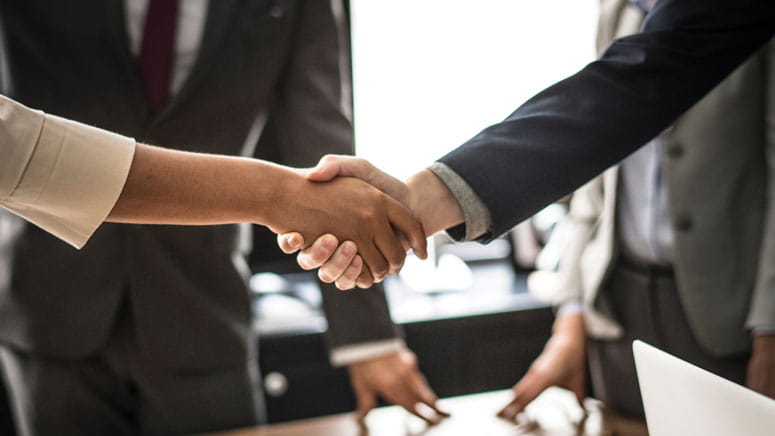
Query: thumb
{"type": "Point", "coordinates": [290, 242]}
{"type": "Point", "coordinates": [329, 167]}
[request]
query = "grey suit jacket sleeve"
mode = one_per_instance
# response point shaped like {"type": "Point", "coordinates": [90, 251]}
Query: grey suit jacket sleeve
{"type": "Point", "coordinates": [312, 118]}
{"type": "Point", "coordinates": [575, 129]}
{"type": "Point", "coordinates": [762, 312]}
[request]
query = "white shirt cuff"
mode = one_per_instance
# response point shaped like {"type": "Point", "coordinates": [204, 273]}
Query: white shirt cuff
{"type": "Point", "coordinates": [72, 178]}
{"type": "Point", "coordinates": [570, 308]}
{"type": "Point", "coordinates": [354, 353]}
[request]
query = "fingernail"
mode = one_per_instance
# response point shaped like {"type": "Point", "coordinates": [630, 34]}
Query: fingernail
{"type": "Point", "coordinates": [348, 249]}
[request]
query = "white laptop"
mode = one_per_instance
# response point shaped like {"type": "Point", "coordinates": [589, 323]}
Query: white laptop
{"type": "Point", "coordinates": [681, 399]}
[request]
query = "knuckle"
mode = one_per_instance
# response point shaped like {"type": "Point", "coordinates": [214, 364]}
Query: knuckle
{"type": "Point", "coordinates": [316, 257]}
{"type": "Point", "coordinates": [380, 270]}
{"type": "Point", "coordinates": [325, 277]}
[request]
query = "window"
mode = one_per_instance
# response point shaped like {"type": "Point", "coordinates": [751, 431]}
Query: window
{"type": "Point", "coordinates": [429, 74]}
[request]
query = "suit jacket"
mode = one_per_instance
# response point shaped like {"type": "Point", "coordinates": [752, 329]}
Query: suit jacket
{"type": "Point", "coordinates": [184, 287]}
{"type": "Point", "coordinates": [577, 128]}
{"type": "Point", "coordinates": [717, 164]}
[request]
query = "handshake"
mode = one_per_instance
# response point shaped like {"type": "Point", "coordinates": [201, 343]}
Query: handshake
{"type": "Point", "coordinates": [348, 218]}
{"type": "Point", "coordinates": [356, 223]}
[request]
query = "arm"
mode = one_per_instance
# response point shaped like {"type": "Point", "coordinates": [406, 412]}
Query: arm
{"type": "Point", "coordinates": [578, 127]}
{"type": "Point", "coordinates": [573, 130]}
{"type": "Point", "coordinates": [173, 187]}
{"type": "Point", "coordinates": [68, 177]}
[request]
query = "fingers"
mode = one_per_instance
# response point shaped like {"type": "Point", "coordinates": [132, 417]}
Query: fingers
{"type": "Point", "coordinates": [390, 247]}
{"type": "Point", "coordinates": [349, 279]}
{"type": "Point", "coordinates": [318, 253]}
{"type": "Point", "coordinates": [408, 226]}
{"type": "Point", "coordinates": [344, 266]}
{"type": "Point", "coordinates": [290, 242]}
{"type": "Point", "coordinates": [425, 393]}
{"type": "Point", "coordinates": [372, 256]}
{"type": "Point", "coordinates": [524, 392]}
{"type": "Point", "coordinates": [366, 398]}
{"type": "Point", "coordinates": [338, 263]}
{"type": "Point", "coordinates": [365, 279]}
{"type": "Point", "coordinates": [409, 401]}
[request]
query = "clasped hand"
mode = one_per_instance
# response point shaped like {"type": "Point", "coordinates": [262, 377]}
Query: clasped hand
{"type": "Point", "coordinates": [342, 259]}
{"type": "Point", "coordinates": [381, 229]}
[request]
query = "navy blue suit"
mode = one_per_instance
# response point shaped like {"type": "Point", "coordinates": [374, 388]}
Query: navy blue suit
{"type": "Point", "coordinates": [576, 128]}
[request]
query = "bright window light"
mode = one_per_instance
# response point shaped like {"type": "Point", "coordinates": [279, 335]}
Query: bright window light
{"type": "Point", "coordinates": [429, 74]}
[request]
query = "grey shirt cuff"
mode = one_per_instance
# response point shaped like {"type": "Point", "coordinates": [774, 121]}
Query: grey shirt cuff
{"type": "Point", "coordinates": [763, 330]}
{"type": "Point", "coordinates": [476, 215]}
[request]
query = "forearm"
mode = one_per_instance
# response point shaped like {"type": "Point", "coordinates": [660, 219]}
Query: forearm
{"type": "Point", "coordinates": [174, 187]}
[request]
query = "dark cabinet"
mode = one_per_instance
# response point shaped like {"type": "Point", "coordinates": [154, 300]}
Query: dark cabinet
{"type": "Point", "coordinates": [458, 356]}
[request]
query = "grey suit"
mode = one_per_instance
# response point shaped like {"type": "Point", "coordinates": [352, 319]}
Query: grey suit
{"type": "Point", "coordinates": [717, 164]}
{"type": "Point", "coordinates": [716, 160]}
{"type": "Point", "coordinates": [176, 297]}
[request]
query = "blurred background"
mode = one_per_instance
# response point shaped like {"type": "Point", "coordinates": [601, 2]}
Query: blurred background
{"type": "Point", "coordinates": [428, 75]}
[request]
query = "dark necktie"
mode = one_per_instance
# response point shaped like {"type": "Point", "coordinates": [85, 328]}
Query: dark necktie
{"type": "Point", "coordinates": [157, 52]}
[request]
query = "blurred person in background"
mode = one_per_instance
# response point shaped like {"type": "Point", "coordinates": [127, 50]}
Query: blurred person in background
{"type": "Point", "coordinates": [147, 329]}
{"type": "Point", "coordinates": [674, 246]}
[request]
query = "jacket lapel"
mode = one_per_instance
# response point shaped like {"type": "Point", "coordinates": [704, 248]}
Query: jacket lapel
{"type": "Point", "coordinates": [220, 15]}
{"type": "Point", "coordinates": [128, 67]}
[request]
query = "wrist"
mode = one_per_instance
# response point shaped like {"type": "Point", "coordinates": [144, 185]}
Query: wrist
{"type": "Point", "coordinates": [763, 342]}
{"type": "Point", "coordinates": [274, 195]}
{"type": "Point", "coordinates": [569, 326]}
{"type": "Point", "coordinates": [432, 202]}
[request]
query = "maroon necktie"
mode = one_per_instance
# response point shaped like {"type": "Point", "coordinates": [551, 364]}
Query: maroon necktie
{"type": "Point", "coordinates": [157, 52]}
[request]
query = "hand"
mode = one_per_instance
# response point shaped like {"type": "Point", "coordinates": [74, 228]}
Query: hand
{"type": "Point", "coordinates": [354, 211]}
{"type": "Point", "coordinates": [562, 363]}
{"type": "Point", "coordinates": [424, 194]}
{"type": "Point", "coordinates": [396, 378]}
{"type": "Point", "coordinates": [761, 367]}
{"type": "Point", "coordinates": [338, 263]}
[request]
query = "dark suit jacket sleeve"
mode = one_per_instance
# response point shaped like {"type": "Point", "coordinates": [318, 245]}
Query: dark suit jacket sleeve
{"type": "Point", "coordinates": [312, 118]}
{"type": "Point", "coordinates": [576, 128]}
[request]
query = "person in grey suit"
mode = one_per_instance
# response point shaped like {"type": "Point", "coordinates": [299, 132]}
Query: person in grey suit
{"type": "Point", "coordinates": [147, 329]}
{"type": "Point", "coordinates": [674, 246]}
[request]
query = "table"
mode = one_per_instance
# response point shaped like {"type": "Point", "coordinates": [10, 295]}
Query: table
{"type": "Point", "coordinates": [554, 413]}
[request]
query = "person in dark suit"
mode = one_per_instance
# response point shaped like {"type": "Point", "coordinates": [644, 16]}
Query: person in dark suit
{"type": "Point", "coordinates": [575, 129]}
{"type": "Point", "coordinates": [147, 330]}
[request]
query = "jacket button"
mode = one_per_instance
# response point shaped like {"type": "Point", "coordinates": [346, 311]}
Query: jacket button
{"type": "Point", "coordinates": [275, 384]}
{"type": "Point", "coordinates": [675, 151]}
{"type": "Point", "coordinates": [683, 223]}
